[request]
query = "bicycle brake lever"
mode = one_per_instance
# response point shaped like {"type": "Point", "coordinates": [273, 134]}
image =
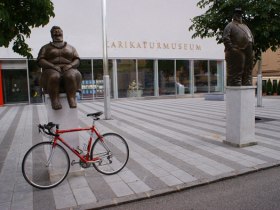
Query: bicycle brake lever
{"type": "Point", "coordinates": [39, 128]}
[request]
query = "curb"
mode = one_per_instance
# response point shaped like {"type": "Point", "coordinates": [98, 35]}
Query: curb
{"type": "Point", "coordinates": [161, 192]}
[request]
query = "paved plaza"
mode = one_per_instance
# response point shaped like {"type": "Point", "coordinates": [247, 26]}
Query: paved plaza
{"type": "Point", "coordinates": [174, 144]}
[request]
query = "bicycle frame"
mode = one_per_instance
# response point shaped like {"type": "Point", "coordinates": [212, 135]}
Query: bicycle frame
{"type": "Point", "coordinates": [108, 154]}
{"type": "Point", "coordinates": [84, 158]}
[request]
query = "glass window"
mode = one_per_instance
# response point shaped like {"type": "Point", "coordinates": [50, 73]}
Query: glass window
{"type": "Point", "coordinates": [126, 78]}
{"type": "Point", "coordinates": [200, 76]}
{"type": "Point", "coordinates": [183, 77]}
{"type": "Point", "coordinates": [110, 69]}
{"type": "Point", "coordinates": [34, 82]}
{"type": "Point", "coordinates": [92, 74]}
{"type": "Point", "coordinates": [87, 86]}
{"type": "Point", "coordinates": [145, 77]}
{"type": "Point", "coordinates": [216, 76]}
{"type": "Point", "coordinates": [166, 77]}
{"type": "Point", "coordinates": [98, 78]}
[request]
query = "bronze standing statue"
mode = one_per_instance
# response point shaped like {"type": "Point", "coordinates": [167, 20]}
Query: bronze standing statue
{"type": "Point", "coordinates": [238, 41]}
{"type": "Point", "coordinates": [59, 62]}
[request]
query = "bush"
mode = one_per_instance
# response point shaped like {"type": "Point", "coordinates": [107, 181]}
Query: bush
{"type": "Point", "coordinates": [264, 88]}
{"type": "Point", "coordinates": [269, 87]}
{"type": "Point", "coordinates": [274, 87]}
{"type": "Point", "coordinates": [278, 88]}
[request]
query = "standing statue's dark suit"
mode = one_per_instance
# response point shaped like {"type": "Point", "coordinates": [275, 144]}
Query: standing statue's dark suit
{"type": "Point", "coordinates": [238, 41]}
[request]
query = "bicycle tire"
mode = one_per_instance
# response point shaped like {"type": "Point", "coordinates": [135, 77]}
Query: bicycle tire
{"type": "Point", "coordinates": [36, 171]}
{"type": "Point", "coordinates": [110, 163]}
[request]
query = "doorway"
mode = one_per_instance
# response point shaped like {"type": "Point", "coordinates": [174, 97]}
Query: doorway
{"type": "Point", "coordinates": [15, 86]}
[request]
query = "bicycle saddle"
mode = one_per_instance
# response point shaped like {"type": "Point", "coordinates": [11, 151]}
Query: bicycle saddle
{"type": "Point", "coordinates": [96, 114]}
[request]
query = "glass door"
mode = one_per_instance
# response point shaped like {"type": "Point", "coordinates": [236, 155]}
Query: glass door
{"type": "Point", "coordinates": [201, 76]}
{"type": "Point", "coordinates": [166, 77]}
{"type": "Point", "coordinates": [183, 78]}
{"type": "Point", "coordinates": [15, 86]}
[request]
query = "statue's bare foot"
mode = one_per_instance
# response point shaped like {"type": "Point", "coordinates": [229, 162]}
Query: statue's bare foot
{"type": "Point", "coordinates": [72, 103]}
{"type": "Point", "coordinates": [56, 105]}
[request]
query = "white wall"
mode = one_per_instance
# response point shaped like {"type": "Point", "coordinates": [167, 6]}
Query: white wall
{"type": "Point", "coordinates": [136, 29]}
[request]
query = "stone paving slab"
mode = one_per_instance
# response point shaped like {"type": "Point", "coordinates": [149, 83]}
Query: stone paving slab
{"type": "Point", "coordinates": [174, 144]}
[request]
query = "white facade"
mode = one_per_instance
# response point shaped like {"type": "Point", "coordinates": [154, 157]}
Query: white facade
{"type": "Point", "coordinates": [149, 46]}
{"type": "Point", "coordinates": [135, 29]}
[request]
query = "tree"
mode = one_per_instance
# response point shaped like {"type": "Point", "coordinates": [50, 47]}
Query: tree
{"type": "Point", "coordinates": [261, 16]}
{"type": "Point", "coordinates": [264, 91]}
{"type": "Point", "coordinates": [17, 17]}
{"type": "Point", "coordinates": [278, 88]}
{"type": "Point", "coordinates": [269, 87]}
{"type": "Point", "coordinates": [274, 87]}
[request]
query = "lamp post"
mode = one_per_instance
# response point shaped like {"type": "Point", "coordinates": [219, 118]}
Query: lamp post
{"type": "Point", "coordinates": [106, 79]}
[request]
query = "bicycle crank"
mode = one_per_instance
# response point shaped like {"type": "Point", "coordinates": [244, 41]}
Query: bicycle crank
{"type": "Point", "coordinates": [84, 165]}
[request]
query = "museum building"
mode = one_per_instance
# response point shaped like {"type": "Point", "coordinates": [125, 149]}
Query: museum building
{"type": "Point", "coordinates": [150, 50]}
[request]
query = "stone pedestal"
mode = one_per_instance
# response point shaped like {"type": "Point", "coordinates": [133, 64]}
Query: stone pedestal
{"type": "Point", "coordinates": [66, 118]}
{"type": "Point", "coordinates": [214, 96]}
{"type": "Point", "coordinates": [240, 116]}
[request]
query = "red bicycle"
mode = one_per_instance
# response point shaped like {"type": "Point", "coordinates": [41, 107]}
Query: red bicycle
{"type": "Point", "coordinates": [46, 164]}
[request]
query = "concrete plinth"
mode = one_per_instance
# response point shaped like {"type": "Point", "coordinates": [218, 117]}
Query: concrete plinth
{"type": "Point", "coordinates": [240, 116]}
{"type": "Point", "coordinates": [214, 96]}
{"type": "Point", "coordinates": [66, 118]}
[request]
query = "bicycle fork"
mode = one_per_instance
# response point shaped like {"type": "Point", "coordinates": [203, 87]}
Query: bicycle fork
{"type": "Point", "coordinates": [50, 157]}
{"type": "Point", "coordinates": [108, 153]}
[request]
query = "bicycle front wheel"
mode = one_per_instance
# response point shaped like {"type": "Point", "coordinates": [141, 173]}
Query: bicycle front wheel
{"type": "Point", "coordinates": [110, 153]}
{"type": "Point", "coordinates": [45, 166]}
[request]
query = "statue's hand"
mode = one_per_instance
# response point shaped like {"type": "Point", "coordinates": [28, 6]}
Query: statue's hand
{"type": "Point", "coordinates": [57, 68]}
{"type": "Point", "coordinates": [234, 49]}
{"type": "Point", "coordinates": [66, 67]}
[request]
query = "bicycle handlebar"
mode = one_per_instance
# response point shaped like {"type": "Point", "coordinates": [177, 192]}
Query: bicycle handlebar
{"type": "Point", "coordinates": [46, 128]}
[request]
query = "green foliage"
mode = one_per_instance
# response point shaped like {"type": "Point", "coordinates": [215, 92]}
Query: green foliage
{"type": "Point", "coordinates": [274, 86]}
{"type": "Point", "coordinates": [278, 88]}
{"type": "Point", "coordinates": [269, 87]}
{"type": "Point", "coordinates": [264, 87]}
{"type": "Point", "coordinates": [17, 17]}
{"type": "Point", "coordinates": [261, 16]}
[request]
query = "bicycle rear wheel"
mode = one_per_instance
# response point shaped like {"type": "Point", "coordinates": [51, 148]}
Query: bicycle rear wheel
{"type": "Point", "coordinates": [45, 166]}
{"type": "Point", "coordinates": [111, 153]}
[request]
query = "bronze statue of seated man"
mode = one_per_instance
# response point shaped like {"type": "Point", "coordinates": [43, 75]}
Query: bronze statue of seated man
{"type": "Point", "coordinates": [59, 62]}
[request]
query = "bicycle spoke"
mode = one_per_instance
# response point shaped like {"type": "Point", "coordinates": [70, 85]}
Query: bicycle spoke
{"type": "Point", "coordinates": [112, 152]}
{"type": "Point", "coordinates": [44, 166]}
